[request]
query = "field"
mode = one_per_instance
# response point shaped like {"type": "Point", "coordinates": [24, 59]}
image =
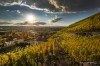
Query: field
{"type": "Point", "coordinates": [52, 46]}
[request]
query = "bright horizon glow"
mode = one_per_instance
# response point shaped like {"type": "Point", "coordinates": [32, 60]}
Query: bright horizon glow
{"type": "Point", "coordinates": [30, 18]}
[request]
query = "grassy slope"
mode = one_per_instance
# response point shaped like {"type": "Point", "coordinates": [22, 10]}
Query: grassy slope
{"type": "Point", "coordinates": [72, 48]}
{"type": "Point", "coordinates": [91, 23]}
{"type": "Point", "coordinates": [82, 48]}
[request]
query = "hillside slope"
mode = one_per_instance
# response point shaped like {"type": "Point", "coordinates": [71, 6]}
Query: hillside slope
{"type": "Point", "coordinates": [62, 49]}
{"type": "Point", "coordinates": [91, 23]}
{"type": "Point", "coordinates": [81, 47]}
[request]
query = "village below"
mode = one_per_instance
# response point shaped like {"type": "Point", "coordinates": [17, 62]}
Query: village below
{"type": "Point", "coordinates": [23, 38]}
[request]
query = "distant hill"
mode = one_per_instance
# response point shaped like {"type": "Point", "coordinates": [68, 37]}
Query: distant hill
{"type": "Point", "coordinates": [91, 23]}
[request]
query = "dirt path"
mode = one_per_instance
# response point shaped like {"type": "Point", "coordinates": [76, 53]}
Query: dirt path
{"type": "Point", "coordinates": [63, 58]}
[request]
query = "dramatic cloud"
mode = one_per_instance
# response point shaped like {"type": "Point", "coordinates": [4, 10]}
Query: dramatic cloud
{"type": "Point", "coordinates": [32, 4]}
{"type": "Point", "coordinates": [55, 5]}
{"type": "Point", "coordinates": [55, 19]}
{"type": "Point", "coordinates": [75, 5]}
{"type": "Point", "coordinates": [39, 23]}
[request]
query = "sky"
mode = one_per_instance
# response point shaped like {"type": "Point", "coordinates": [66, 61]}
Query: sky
{"type": "Point", "coordinates": [46, 12]}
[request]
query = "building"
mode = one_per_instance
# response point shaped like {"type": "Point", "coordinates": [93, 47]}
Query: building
{"type": "Point", "coordinates": [13, 42]}
{"type": "Point", "coordinates": [9, 43]}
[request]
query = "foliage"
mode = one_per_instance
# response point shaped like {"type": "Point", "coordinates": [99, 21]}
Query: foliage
{"type": "Point", "coordinates": [73, 47]}
{"type": "Point", "coordinates": [91, 23]}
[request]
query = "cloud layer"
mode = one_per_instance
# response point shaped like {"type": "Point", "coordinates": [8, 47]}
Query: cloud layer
{"type": "Point", "coordinates": [32, 24]}
{"type": "Point", "coordinates": [55, 19]}
{"type": "Point", "coordinates": [39, 23]}
{"type": "Point", "coordinates": [75, 5]}
{"type": "Point", "coordinates": [5, 23]}
{"type": "Point", "coordinates": [55, 5]}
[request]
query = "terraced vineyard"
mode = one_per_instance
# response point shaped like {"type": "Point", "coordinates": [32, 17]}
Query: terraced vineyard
{"type": "Point", "coordinates": [62, 49]}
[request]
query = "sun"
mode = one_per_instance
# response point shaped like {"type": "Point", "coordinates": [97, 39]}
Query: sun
{"type": "Point", "coordinates": [30, 18]}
